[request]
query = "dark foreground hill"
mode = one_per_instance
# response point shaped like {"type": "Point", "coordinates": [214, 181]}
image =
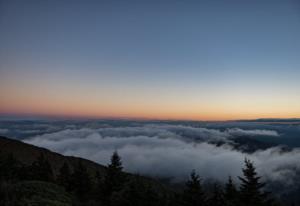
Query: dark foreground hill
{"type": "Point", "coordinates": [27, 154]}
{"type": "Point", "coordinates": [34, 176]}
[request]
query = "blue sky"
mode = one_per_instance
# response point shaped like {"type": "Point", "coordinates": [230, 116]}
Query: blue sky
{"type": "Point", "coordinates": [152, 53]}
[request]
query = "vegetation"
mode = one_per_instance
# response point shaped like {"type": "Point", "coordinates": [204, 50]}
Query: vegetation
{"type": "Point", "coordinates": [37, 184]}
{"type": "Point", "coordinates": [193, 194]}
{"type": "Point", "coordinates": [35, 193]}
{"type": "Point", "coordinates": [251, 188]}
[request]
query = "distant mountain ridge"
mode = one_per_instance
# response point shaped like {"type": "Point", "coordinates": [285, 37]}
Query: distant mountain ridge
{"type": "Point", "coordinates": [270, 120]}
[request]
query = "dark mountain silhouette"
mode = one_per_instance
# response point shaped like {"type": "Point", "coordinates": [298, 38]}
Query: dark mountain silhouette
{"type": "Point", "coordinates": [27, 154]}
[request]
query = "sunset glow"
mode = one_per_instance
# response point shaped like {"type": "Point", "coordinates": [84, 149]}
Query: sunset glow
{"type": "Point", "coordinates": [106, 60]}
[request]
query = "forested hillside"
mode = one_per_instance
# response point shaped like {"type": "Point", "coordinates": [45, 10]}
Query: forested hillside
{"type": "Point", "coordinates": [34, 176]}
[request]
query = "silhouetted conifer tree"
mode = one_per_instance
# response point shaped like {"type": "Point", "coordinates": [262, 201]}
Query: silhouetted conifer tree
{"type": "Point", "coordinates": [114, 178]}
{"type": "Point", "coordinates": [251, 187]}
{"type": "Point", "coordinates": [217, 197]}
{"type": "Point", "coordinates": [231, 194]}
{"type": "Point", "coordinates": [193, 194]}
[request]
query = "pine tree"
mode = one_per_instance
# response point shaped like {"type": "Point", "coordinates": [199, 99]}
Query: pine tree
{"type": "Point", "coordinates": [114, 178]}
{"type": "Point", "coordinates": [217, 198]}
{"type": "Point", "coordinates": [230, 193]}
{"type": "Point", "coordinates": [193, 195]}
{"type": "Point", "coordinates": [251, 187]}
{"type": "Point", "coordinates": [115, 162]}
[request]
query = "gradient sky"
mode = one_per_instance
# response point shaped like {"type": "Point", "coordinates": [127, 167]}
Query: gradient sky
{"type": "Point", "coordinates": [205, 60]}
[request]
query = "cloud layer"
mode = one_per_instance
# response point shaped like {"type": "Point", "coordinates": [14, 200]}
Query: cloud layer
{"type": "Point", "coordinates": [3, 131]}
{"type": "Point", "coordinates": [254, 132]}
{"type": "Point", "coordinates": [173, 151]}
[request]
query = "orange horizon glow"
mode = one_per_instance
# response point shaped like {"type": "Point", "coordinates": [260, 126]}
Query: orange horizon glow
{"type": "Point", "coordinates": [71, 111]}
{"type": "Point", "coordinates": [81, 104]}
{"type": "Point", "coordinates": [153, 117]}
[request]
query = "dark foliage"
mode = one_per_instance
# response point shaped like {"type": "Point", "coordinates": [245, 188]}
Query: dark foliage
{"type": "Point", "coordinates": [81, 182]}
{"type": "Point", "coordinates": [251, 192]}
{"type": "Point", "coordinates": [39, 193]}
{"type": "Point", "coordinates": [114, 178]}
{"type": "Point", "coordinates": [40, 170]}
{"type": "Point", "coordinates": [193, 194]}
{"type": "Point", "coordinates": [36, 184]}
{"type": "Point", "coordinates": [217, 197]}
{"type": "Point", "coordinates": [64, 177]}
{"type": "Point", "coordinates": [137, 193]}
{"type": "Point", "coordinates": [9, 168]}
{"type": "Point", "coordinates": [230, 193]}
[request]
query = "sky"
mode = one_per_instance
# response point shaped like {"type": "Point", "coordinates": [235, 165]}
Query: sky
{"type": "Point", "coordinates": [199, 60]}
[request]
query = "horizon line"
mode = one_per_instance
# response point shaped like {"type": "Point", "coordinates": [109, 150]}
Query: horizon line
{"type": "Point", "coordinates": [12, 116]}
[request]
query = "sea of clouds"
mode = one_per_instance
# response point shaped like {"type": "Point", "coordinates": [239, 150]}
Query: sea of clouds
{"type": "Point", "coordinates": [172, 151]}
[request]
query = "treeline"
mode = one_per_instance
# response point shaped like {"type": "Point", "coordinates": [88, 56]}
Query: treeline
{"type": "Point", "coordinates": [37, 184]}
